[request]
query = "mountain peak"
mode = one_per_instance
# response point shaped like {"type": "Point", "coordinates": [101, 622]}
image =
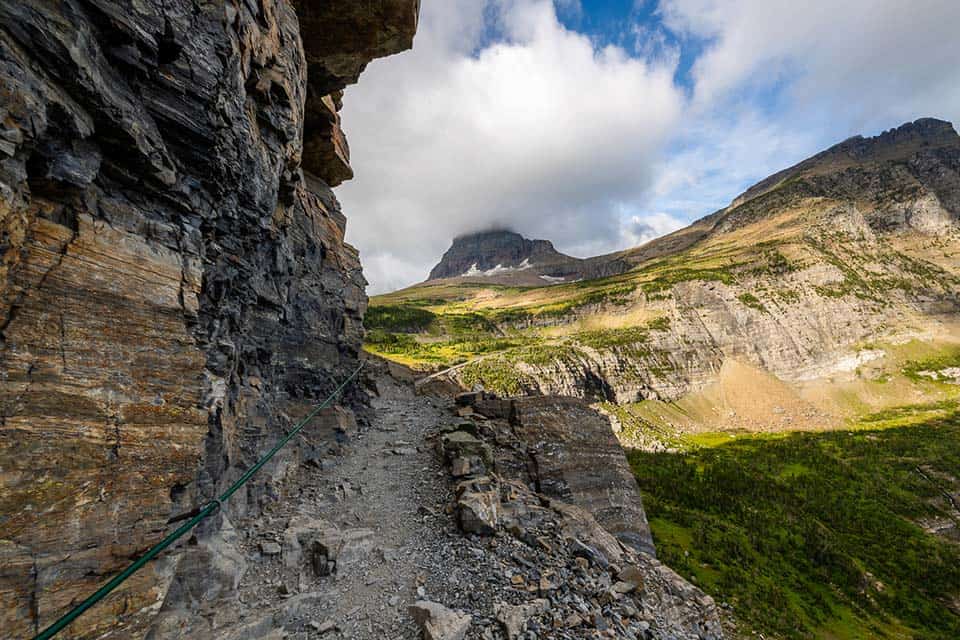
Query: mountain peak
{"type": "Point", "coordinates": [898, 143]}
{"type": "Point", "coordinates": [925, 132]}
{"type": "Point", "coordinates": [493, 251]}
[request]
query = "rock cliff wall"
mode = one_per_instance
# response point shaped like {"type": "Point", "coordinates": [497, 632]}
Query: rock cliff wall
{"type": "Point", "coordinates": [794, 278]}
{"type": "Point", "coordinates": [566, 450]}
{"type": "Point", "coordinates": [548, 472]}
{"type": "Point", "coordinates": [495, 252]}
{"type": "Point", "coordinates": [174, 284]}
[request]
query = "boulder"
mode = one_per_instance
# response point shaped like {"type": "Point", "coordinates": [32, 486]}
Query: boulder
{"type": "Point", "coordinates": [580, 550]}
{"type": "Point", "coordinates": [468, 398]}
{"type": "Point", "coordinates": [438, 622]}
{"type": "Point", "coordinates": [478, 505]}
{"type": "Point", "coordinates": [322, 548]}
{"type": "Point", "coordinates": [583, 531]}
{"type": "Point", "coordinates": [469, 426]}
{"type": "Point", "coordinates": [631, 576]}
{"type": "Point", "coordinates": [513, 618]}
{"type": "Point", "coordinates": [461, 444]}
{"type": "Point", "coordinates": [467, 466]}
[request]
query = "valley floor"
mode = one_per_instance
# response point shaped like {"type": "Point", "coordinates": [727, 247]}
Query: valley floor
{"type": "Point", "coordinates": [841, 535]}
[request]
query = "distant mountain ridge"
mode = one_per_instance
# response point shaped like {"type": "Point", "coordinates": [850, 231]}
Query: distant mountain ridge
{"type": "Point", "coordinates": [891, 145]}
{"type": "Point", "coordinates": [503, 256]}
{"type": "Point", "coordinates": [898, 174]}
{"type": "Point", "coordinates": [896, 169]}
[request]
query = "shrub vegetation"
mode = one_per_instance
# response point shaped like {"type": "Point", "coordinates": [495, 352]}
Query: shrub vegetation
{"type": "Point", "coordinates": [816, 535]}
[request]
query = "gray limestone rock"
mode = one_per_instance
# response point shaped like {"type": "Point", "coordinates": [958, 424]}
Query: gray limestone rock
{"type": "Point", "coordinates": [438, 622]}
{"type": "Point", "coordinates": [513, 618]}
{"type": "Point", "coordinates": [478, 505]}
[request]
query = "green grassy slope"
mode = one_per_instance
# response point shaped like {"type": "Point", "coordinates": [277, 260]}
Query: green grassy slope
{"type": "Point", "coordinates": [817, 535]}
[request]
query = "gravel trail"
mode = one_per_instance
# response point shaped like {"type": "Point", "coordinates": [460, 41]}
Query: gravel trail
{"type": "Point", "coordinates": [389, 488]}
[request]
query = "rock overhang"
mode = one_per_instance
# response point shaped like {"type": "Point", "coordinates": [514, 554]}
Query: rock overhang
{"type": "Point", "coordinates": [339, 39]}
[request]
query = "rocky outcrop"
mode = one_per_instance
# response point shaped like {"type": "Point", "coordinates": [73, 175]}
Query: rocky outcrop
{"type": "Point", "coordinates": [566, 450]}
{"type": "Point", "coordinates": [799, 328]}
{"type": "Point", "coordinates": [340, 38]}
{"type": "Point", "coordinates": [705, 324]}
{"type": "Point", "coordinates": [175, 286]}
{"type": "Point", "coordinates": [559, 486]}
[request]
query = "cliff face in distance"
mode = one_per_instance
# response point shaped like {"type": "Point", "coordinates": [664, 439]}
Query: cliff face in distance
{"type": "Point", "coordinates": [174, 285]}
{"type": "Point", "coordinates": [817, 286]}
{"type": "Point", "coordinates": [505, 257]}
{"type": "Point", "coordinates": [493, 252]}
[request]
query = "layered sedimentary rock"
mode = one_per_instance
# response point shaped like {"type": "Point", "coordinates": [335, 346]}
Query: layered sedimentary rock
{"type": "Point", "coordinates": [174, 286]}
{"type": "Point", "coordinates": [548, 472]}
{"type": "Point", "coordinates": [340, 39]}
{"type": "Point", "coordinates": [566, 450]}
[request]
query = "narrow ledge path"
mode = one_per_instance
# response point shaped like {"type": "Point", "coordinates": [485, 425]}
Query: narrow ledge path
{"type": "Point", "coordinates": [388, 492]}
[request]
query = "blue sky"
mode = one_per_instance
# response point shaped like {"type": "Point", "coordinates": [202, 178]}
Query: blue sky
{"type": "Point", "coordinates": [614, 22]}
{"type": "Point", "coordinates": [601, 124]}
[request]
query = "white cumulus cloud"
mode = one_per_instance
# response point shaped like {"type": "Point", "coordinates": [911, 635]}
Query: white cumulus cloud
{"type": "Point", "coordinates": [539, 130]}
{"type": "Point", "coordinates": [872, 63]}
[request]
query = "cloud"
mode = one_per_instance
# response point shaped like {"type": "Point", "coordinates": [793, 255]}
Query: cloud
{"type": "Point", "coordinates": [778, 81]}
{"type": "Point", "coordinates": [873, 63]}
{"type": "Point", "coordinates": [536, 129]}
{"type": "Point", "coordinates": [719, 155]}
{"type": "Point", "coordinates": [639, 229]}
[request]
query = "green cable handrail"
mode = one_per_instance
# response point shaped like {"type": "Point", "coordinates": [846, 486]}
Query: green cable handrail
{"type": "Point", "coordinates": [204, 512]}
